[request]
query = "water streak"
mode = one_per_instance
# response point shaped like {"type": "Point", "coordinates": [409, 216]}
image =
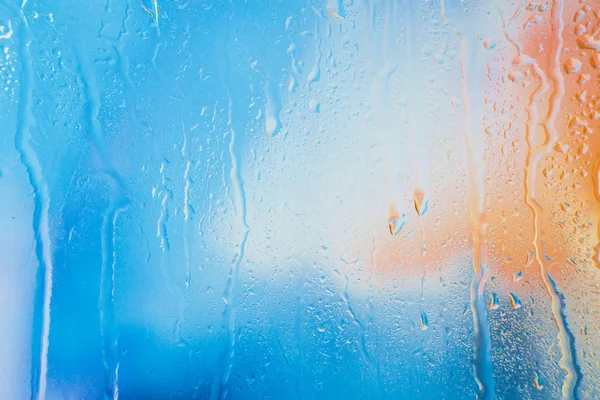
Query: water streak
{"type": "Point", "coordinates": [535, 154]}
{"type": "Point", "coordinates": [471, 61]}
{"type": "Point", "coordinates": [415, 111]}
{"type": "Point", "coordinates": [108, 329]}
{"type": "Point", "coordinates": [118, 201]}
{"type": "Point", "coordinates": [230, 294]}
{"type": "Point", "coordinates": [41, 228]}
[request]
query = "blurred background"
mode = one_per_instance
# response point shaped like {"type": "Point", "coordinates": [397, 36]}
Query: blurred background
{"type": "Point", "coordinates": [318, 199]}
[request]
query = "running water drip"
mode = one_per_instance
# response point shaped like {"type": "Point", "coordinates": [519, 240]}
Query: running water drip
{"type": "Point", "coordinates": [396, 221]}
{"type": "Point", "coordinates": [361, 331]}
{"type": "Point", "coordinates": [41, 230]}
{"type": "Point", "coordinates": [596, 179]}
{"type": "Point", "coordinates": [473, 116]}
{"type": "Point", "coordinates": [535, 154]}
{"type": "Point", "coordinates": [272, 108]}
{"type": "Point", "coordinates": [472, 96]}
{"type": "Point", "coordinates": [230, 294]}
{"type": "Point", "coordinates": [118, 202]}
{"type": "Point", "coordinates": [108, 328]}
{"type": "Point", "coordinates": [186, 203]}
{"type": "Point", "coordinates": [415, 107]}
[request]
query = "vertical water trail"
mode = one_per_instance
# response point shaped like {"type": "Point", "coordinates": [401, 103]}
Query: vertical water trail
{"type": "Point", "coordinates": [596, 179]}
{"type": "Point", "coordinates": [472, 90]}
{"type": "Point", "coordinates": [535, 153]}
{"type": "Point", "coordinates": [388, 55]}
{"type": "Point", "coordinates": [472, 94]}
{"type": "Point", "coordinates": [41, 228]}
{"type": "Point", "coordinates": [534, 156]}
{"type": "Point", "coordinates": [186, 218]}
{"type": "Point", "coordinates": [272, 107]}
{"type": "Point", "coordinates": [108, 329]}
{"type": "Point", "coordinates": [315, 73]}
{"type": "Point", "coordinates": [156, 15]}
{"type": "Point", "coordinates": [424, 326]}
{"type": "Point", "coordinates": [416, 109]}
{"type": "Point", "coordinates": [186, 204]}
{"type": "Point", "coordinates": [161, 222]}
{"type": "Point", "coordinates": [362, 345]}
{"type": "Point", "coordinates": [229, 296]}
{"type": "Point", "coordinates": [386, 130]}
{"type": "Point", "coordinates": [371, 307]}
{"type": "Point", "coordinates": [298, 325]}
{"type": "Point", "coordinates": [118, 202]}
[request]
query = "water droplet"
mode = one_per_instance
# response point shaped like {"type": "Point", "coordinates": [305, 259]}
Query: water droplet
{"type": "Point", "coordinates": [561, 148]}
{"type": "Point", "coordinates": [537, 382]}
{"type": "Point", "coordinates": [595, 60]}
{"type": "Point", "coordinates": [518, 276]}
{"type": "Point", "coordinates": [424, 322]}
{"type": "Point", "coordinates": [548, 172]}
{"type": "Point", "coordinates": [565, 206]}
{"type": "Point", "coordinates": [314, 106]}
{"type": "Point", "coordinates": [589, 42]}
{"type": "Point", "coordinates": [272, 125]}
{"type": "Point", "coordinates": [583, 79]}
{"type": "Point", "coordinates": [335, 9]}
{"type": "Point", "coordinates": [489, 44]}
{"type": "Point", "coordinates": [597, 255]}
{"type": "Point", "coordinates": [580, 29]}
{"type": "Point", "coordinates": [421, 201]}
{"type": "Point", "coordinates": [272, 109]}
{"type": "Point", "coordinates": [396, 223]}
{"type": "Point", "coordinates": [6, 31]}
{"type": "Point", "coordinates": [577, 123]}
{"type": "Point", "coordinates": [514, 301]}
{"type": "Point", "coordinates": [572, 66]}
{"type": "Point", "coordinates": [516, 77]}
{"type": "Point", "coordinates": [579, 16]}
{"type": "Point", "coordinates": [494, 302]}
{"type": "Point", "coordinates": [292, 84]}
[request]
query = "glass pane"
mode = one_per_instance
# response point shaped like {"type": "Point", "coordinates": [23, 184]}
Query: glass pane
{"type": "Point", "coordinates": [323, 199]}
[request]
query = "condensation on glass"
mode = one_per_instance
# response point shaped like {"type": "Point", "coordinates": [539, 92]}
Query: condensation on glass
{"type": "Point", "coordinates": [318, 199]}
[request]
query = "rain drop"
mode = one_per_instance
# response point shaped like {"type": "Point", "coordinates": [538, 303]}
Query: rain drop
{"type": "Point", "coordinates": [424, 322]}
{"type": "Point", "coordinates": [421, 201]}
{"type": "Point", "coordinates": [396, 223]}
{"type": "Point", "coordinates": [515, 303]}
{"type": "Point", "coordinates": [572, 66]}
{"type": "Point", "coordinates": [494, 303]}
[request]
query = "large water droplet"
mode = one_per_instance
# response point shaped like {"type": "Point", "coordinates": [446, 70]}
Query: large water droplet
{"type": "Point", "coordinates": [396, 223]}
{"type": "Point", "coordinates": [580, 29]}
{"type": "Point", "coordinates": [589, 42]}
{"type": "Point", "coordinates": [597, 255]}
{"type": "Point", "coordinates": [421, 201]}
{"type": "Point", "coordinates": [572, 66]}
{"type": "Point", "coordinates": [579, 16]}
{"type": "Point", "coordinates": [424, 322]}
{"type": "Point", "coordinates": [514, 301]}
{"type": "Point", "coordinates": [272, 125]}
{"type": "Point", "coordinates": [494, 303]}
{"type": "Point", "coordinates": [595, 60]}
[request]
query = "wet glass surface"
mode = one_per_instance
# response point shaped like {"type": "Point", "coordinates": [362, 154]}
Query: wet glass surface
{"type": "Point", "coordinates": [321, 199]}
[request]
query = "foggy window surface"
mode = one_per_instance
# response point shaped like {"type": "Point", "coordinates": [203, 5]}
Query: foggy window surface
{"type": "Point", "coordinates": [299, 199]}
